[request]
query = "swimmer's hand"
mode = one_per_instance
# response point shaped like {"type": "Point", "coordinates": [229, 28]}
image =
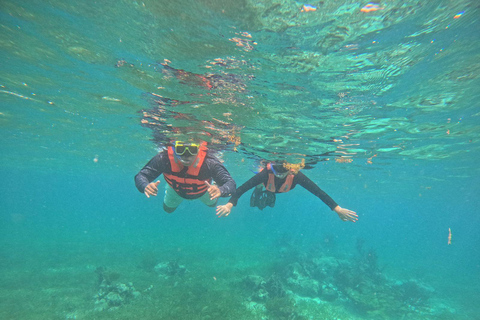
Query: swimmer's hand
{"type": "Point", "coordinates": [151, 189]}
{"type": "Point", "coordinates": [213, 190]}
{"type": "Point", "coordinates": [224, 211]}
{"type": "Point", "coordinates": [345, 214]}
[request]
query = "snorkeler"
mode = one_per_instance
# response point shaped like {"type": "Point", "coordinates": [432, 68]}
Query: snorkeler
{"type": "Point", "coordinates": [280, 178]}
{"type": "Point", "coordinates": [188, 169]}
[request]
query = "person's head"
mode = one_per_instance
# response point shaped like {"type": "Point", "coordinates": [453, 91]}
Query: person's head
{"type": "Point", "coordinates": [279, 170]}
{"type": "Point", "coordinates": [186, 152]}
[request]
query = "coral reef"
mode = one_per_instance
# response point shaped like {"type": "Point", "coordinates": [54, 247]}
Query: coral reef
{"type": "Point", "coordinates": [148, 261]}
{"type": "Point", "coordinates": [261, 290]}
{"type": "Point", "coordinates": [281, 308]}
{"type": "Point", "coordinates": [356, 282]}
{"type": "Point", "coordinates": [170, 269]}
{"type": "Point", "coordinates": [270, 295]}
{"type": "Point", "coordinates": [106, 276]}
{"type": "Point", "coordinates": [413, 292]}
{"type": "Point", "coordinates": [112, 296]}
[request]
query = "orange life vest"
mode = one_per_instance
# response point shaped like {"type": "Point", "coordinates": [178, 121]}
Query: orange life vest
{"type": "Point", "coordinates": [270, 186]}
{"type": "Point", "coordinates": [187, 184]}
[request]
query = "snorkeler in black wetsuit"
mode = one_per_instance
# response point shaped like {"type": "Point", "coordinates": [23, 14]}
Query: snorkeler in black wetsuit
{"type": "Point", "coordinates": [276, 178]}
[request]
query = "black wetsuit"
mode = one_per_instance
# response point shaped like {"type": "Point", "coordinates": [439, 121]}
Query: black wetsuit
{"type": "Point", "coordinates": [300, 178]}
{"type": "Point", "coordinates": [211, 168]}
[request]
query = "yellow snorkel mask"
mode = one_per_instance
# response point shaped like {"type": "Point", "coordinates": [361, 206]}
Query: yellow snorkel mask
{"type": "Point", "coordinates": [181, 148]}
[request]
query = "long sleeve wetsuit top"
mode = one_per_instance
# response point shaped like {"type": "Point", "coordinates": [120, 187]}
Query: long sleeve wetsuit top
{"type": "Point", "coordinates": [211, 168]}
{"type": "Point", "coordinates": [299, 178]}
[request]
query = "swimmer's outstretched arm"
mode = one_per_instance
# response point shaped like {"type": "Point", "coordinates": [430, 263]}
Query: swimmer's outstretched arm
{"type": "Point", "coordinates": [224, 210]}
{"type": "Point", "coordinates": [259, 178]}
{"type": "Point", "coordinates": [345, 214]}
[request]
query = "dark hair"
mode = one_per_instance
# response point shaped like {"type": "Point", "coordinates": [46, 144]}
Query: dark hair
{"type": "Point", "coordinates": [279, 168]}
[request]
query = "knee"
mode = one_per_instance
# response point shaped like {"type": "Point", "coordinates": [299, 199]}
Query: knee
{"type": "Point", "coordinates": [168, 209]}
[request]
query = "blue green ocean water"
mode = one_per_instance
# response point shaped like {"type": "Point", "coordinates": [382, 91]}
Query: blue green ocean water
{"type": "Point", "coordinates": [382, 106]}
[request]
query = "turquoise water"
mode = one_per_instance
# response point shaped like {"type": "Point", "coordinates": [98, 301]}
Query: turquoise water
{"type": "Point", "coordinates": [382, 106]}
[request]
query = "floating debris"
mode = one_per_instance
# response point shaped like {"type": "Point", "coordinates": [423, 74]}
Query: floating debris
{"type": "Point", "coordinates": [343, 160]}
{"type": "Point", "coordinates": [18, 95]}
{"type": "Point", "coordinates": [245, 43]}
{"type": "Point", "coordinates": [369, 160]}
{"type": "Point", "coordinates": [110, 99]}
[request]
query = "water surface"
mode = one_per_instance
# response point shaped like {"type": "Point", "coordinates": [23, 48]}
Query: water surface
{"type": "Point", "coordinates": [382, 106]}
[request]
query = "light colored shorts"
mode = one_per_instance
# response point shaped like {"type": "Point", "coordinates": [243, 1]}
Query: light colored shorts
{"type": "Point", "coordinates": [173, 200]}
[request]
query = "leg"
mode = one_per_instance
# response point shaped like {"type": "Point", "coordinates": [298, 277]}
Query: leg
{"type": "Point", "coordinates": [171, 200]}
{"type": "Point", "coordinates": [168, 209]}
{"type": "Point", "coordinates": [206, 199]}
{"type": "Point", "coordinates": [256, 195]}
{"type": "Point", "coordinates": [271, 197]}
{"type": "Point", "coordinates": [213, 205]}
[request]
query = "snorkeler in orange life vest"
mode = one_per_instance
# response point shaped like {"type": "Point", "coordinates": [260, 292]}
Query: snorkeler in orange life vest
{"type": "Point", "coordinates": [188, 169]}
{"type": "Point", "coordinates": [278, 178]}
